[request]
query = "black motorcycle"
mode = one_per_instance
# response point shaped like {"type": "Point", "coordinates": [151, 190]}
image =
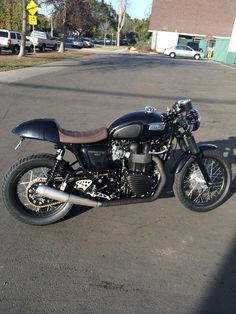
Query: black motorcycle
{"type": "Point", "coordinates": [119, 165]}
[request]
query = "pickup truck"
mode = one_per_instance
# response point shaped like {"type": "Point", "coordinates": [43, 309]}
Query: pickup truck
{"type": "Point", "coordinates": [42, 41]}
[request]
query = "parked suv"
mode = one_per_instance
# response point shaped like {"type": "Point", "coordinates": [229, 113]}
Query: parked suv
{"type": "Point", "coordinates": [10, 40]}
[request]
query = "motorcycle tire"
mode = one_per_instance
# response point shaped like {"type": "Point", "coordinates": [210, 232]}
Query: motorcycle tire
{"type": "Point", "coordinates": [191, 189]}
{"type": "Point", "coordinates": [16, 191]}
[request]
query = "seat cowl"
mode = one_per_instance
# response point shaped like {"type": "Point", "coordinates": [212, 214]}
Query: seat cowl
{"type": "Point", "coordinates": [86, 137]}
{"type": "Point", "coordinates": [38, 129]}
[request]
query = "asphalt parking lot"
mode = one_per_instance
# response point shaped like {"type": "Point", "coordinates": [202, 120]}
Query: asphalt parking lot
{"type": "Point", "coordinates": [150, 258]}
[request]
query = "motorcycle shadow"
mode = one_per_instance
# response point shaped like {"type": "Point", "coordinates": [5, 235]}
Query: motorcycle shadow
{"type": "Point", "coordinates": [75, 211]}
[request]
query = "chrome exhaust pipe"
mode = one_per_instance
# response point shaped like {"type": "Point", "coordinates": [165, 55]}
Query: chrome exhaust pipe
{"type": "Point", "coordinates": [61, 196]}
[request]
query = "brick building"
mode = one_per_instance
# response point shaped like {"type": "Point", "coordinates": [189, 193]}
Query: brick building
{"type": "Point", "coordinates": [176, 20]}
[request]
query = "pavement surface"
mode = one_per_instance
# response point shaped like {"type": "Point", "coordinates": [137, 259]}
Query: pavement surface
{"type": "Point", "coordinates": [151, 258]}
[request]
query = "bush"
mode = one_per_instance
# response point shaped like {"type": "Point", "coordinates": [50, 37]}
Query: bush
{"type": "Point", "coordinates": [143, 47]}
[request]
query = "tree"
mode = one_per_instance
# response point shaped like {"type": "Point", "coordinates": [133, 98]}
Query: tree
{"type": "Point", "coordinates": [103, 12]}
{"type": "Point", "coordinates": [11, 14]}
{"type": "Point", "coordinates": [122, 8]}
{"type": "Point", "coordinates": [140, 28]}
{"type": "Point", "coordinates": [74, 15]}
{"type": "Point", "coordinates": [104, 27]}
{"type": "Point", "coordinates": [136, 30]}
{"type": "Point", "coordinates": [43, 23]}
{"type": "Point", "coordinates": [23, 32]}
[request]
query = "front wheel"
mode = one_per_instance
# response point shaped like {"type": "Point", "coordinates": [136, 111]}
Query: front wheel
{"type": "Point", "coordinates": [197, 57]}
{"type": "Point", "coordinates": [191, 189]}
{"type": "Point", "coordinates": [19, 191]}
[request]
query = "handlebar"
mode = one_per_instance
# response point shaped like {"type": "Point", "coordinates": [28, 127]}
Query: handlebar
{"type": "Point", "coordinates": [184, 115]}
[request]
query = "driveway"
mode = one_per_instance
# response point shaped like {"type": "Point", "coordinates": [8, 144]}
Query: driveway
{"type": "Point", "coordinates": [150, 258]}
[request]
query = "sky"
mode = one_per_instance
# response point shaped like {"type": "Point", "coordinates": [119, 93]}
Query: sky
{"type": "Point", "coordinates": [137, 8]}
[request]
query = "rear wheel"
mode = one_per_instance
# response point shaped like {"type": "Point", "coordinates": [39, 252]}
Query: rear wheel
{"type": "Point", "coordinates": [191, 188]}
{"type": "Point", "coordinates": [19, 191]}
{"type": "Point", "coordinates": [172, 55]}
{"type": "Point", "coordinates": [16, 49]}
{"type": "Point", "coordinates": [31, 48]}
{"type": "Point", "coordinates": [43, 48]}
{"type": "Point", "coordinates": [54, 47]}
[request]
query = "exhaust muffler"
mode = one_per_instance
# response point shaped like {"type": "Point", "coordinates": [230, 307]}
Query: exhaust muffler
{"type": "Point", "coordinates": [61, 196]}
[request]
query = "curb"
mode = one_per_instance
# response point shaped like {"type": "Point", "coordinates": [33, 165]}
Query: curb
{"type": "Point", "coordinates": [148, 53]}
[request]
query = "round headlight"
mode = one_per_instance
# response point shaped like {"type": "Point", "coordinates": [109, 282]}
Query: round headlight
{"type": "Point", "coordinates": [195, 118]}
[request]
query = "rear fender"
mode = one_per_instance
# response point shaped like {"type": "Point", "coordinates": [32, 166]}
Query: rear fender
{"type": "Point", "coordinates": [187, 155]}
{"type": "Point", "coordinates": [38, 129]}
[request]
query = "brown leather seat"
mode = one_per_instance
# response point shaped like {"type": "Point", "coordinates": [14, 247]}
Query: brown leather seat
{"type": "Point", "coordinates": [75, 137]}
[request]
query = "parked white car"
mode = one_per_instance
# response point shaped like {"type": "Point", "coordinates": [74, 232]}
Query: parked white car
{"type": "Point", "coordinates": [42, 40]}
{"type": "Point", "coordinates": [183, 51]}
{"type": "Point", "coordinates": [11, 40]}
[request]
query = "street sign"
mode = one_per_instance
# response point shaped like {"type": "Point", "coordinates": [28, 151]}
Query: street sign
{"type": "Point", "coordinates": [32, 7]}
{"type": "Point", "coordinates": [32, 20]}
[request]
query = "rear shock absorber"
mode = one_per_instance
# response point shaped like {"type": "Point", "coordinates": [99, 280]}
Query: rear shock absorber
{"type": "Point", "coordinates": [59, 159]}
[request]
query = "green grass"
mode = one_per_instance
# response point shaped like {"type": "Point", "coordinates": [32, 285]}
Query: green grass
{"type": "Point", "coordinates": [9, 62]}
{"type": "Point", "coordinates": [21, 64]}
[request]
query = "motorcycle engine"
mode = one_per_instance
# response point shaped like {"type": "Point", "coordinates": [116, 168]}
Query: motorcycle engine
{"type": "Point", "coordinates": [124, 170]}
{"type": "Point", "coordinates": [139, 178]}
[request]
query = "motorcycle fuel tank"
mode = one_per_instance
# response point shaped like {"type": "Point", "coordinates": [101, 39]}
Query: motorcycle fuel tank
{"type": "Point", "coordinates": [139, 125]}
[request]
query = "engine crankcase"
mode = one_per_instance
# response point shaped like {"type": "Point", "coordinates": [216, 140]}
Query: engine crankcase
{"type": "Point", "coordinates": [140, 184]}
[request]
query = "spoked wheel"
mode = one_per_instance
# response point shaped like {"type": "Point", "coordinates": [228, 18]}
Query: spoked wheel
{"type": "Point", "coordinates": [191, 188]}
{"type": "Point", "coordinates": [19, 191]}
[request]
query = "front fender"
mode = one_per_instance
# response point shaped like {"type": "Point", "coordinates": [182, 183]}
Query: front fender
{"type": "Point", "coordinates": [187, 155]}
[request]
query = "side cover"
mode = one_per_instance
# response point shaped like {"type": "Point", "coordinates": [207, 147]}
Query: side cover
{"type": "Point", "coordinates": [38, 129]}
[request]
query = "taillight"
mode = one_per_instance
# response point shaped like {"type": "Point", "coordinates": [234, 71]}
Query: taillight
{"type": "Point", "coordinates": [9, 42]}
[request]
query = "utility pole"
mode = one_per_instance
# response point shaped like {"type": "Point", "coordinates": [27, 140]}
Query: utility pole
{"type": "Point", "coordinates": [23, 33]}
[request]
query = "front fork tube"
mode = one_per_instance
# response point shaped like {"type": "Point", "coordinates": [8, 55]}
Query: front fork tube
{"type": "Point", "coordinates": [195, 151]}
